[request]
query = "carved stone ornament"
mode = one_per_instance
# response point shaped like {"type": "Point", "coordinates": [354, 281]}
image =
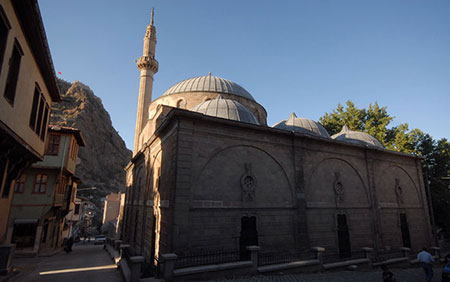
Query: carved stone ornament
{"type": "Point", "coordinates": [248, 184]}
{"type": "Point", "coordinates": [338, 188]}
{"type": "Point", "coordinates": [398, 191]}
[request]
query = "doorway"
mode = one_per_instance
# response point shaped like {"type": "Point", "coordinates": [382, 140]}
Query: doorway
{"type": "Point", "coordinates": [24, 235]}
{"type": "Point", "coordinates": [249, 236]}
{"type": "Point", "coordinates": [405, 230]}
{"type": "Point", "coordinates": [345, 250]}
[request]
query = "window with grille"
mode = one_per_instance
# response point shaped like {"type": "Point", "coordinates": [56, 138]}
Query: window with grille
{"type": "Point", "coordinates": [74, 152]}
{"type": "Point", "coordinates": [40, 183]}
{"type": "Point", "coordinates": [53, 144]}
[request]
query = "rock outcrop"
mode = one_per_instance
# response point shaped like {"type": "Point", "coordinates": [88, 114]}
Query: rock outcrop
{"type": "Point", "coordinates": [103, 159]}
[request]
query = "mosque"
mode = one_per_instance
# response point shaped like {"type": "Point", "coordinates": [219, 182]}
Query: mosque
{"type": "Point", "coordinates": [208, 173]}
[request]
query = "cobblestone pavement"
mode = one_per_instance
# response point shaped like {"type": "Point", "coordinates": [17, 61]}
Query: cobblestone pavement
{"type": "Point", "coordinates": [84, 264]}
{"type": "Point", "coordinates": [402, 275]}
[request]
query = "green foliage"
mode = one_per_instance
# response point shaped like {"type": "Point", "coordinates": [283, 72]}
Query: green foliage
{"type": "Point", "coordinates": [375, 121]}
{"type": "Point", "coordinates": [436, 154]}
{"type": "Point", "coordinates": [436, 168]}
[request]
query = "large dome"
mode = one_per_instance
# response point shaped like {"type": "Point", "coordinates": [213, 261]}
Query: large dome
{"type": "Point", "coordinates": [209, 83]}
{"type": "Point", "coordinates": [356, 137]}
{"type": "Point", "coordinates": [226, 108]}
{"type": "Point", "coordinates": [302, 125]}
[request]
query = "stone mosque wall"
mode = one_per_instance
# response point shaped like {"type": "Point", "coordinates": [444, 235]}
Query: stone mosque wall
{"type": "Point", "coordinates": [199, 176]}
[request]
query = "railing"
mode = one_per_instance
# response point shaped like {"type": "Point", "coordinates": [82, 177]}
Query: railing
{"type": "Point", "coordinates": [335, 257]}
{"type": "Point", "coordinates": [283, 257]}
{"type": "Point", "coordinates": [205, 258]}
{"type": "Point", "coordinates": [384, 255]}
{"type": "Point", "coordinates": [152, 268]}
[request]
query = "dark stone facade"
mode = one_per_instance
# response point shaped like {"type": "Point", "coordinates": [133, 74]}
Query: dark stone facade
{"type": "Point", "coordinates": [199, 182]}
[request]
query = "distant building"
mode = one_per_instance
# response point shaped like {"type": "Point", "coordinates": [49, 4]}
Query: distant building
{"type": "Point", "coordinates": [27, 90]}
{"type": "Point", "coordinates": [111, 207]}
{"type": "Point", "coordinates": [86, 215]}
{"type": "Point", "coordinates": [111, 212]}
{"type": "Point", "coordinates": [208, 174]}
{"type": "Point", "coordinates": [72, 218]}
{"type": "Point", "coordinates": [43, 194]}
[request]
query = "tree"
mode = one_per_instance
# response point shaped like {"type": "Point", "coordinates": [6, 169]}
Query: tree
{"type": "Point", "coordinates": [375, 121]}
{"type": "Point", "coordinates": [436, 167]}
{"type": "Point", "coordinates": [436, 154]}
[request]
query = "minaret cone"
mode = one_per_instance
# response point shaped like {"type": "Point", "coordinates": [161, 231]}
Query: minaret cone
{"type": "Point", "coordinates": [148, 66]}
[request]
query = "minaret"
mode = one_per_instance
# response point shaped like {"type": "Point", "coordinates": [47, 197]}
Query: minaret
{"type": "Point", "coordinates": [148, 66]}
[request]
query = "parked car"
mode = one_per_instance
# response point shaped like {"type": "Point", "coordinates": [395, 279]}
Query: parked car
{"type": "Point", "coordinates": [446, 273]}
{"type": "Point", "coordinates": [100, 240]}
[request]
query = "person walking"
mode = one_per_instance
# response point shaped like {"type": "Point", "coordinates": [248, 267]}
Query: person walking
{"type": "Point", "coordinates": [69, 244]}
{"type": "Point", "coordinates": [427, 261]}
{"type": "Point", "coordinates": [388, 276]}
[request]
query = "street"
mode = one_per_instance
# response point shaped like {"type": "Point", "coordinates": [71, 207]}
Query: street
{"type": "Point", "coordinates": [91, 263]}
{"type": "Point", "coordinates": [402, 275]}
{"type": "Point", "coordinates": [85, 263]}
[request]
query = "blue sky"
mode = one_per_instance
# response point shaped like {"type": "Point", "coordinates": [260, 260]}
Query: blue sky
{"type": "Point", "coordinates": [292, 56]}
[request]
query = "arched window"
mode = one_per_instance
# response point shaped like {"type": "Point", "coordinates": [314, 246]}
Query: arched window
{"type": "Point", "coordinates": [181, 104]}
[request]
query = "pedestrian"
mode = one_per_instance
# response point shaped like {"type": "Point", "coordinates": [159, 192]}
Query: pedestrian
{"type": "Point", "coordinates": [447, 259]}
{"type": "Point", "coordinates": [388, 276]}
{"type": "Point", "coordinates": [427, 262]}
{"type": "Point", "coordinates": [68, 247]}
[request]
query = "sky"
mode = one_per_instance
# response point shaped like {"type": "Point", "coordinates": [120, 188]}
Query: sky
{"type": "Point", "coordinates": [292, 56]}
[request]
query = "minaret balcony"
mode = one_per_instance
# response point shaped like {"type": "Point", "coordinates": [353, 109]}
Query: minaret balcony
{"type": "Point", "coordinates": [146, 62]}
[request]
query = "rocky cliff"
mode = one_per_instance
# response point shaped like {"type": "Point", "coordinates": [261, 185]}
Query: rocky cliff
{"type": "Point", "coordinates": [103, 159]}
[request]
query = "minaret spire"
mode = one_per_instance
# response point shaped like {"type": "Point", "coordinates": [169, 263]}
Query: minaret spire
{"type": "Point", "coordinates": [148, 66]}
{"type": "Point", "coordinates": [153, 15]}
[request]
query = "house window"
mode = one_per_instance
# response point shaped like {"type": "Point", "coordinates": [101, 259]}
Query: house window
{"type": "Point", "coordinates": [40, 183]}
{"type": "Point", "coordinates": [44, 123]}
{"type": "Point", "coordinates": [34, 107]}
{"type": "Point", "coordinates": [53, 144]}
{"type": "Point", "coordinates": [74, 152]}
{"type": "Point", "coordinates": [8, 181]}
{"type": "Point", "coordinates": [4, 30]}
{"type": "Point", "coordinates": [13, 73]}
{"type": "Point", "coordinates": [40, 114]}
{"type": "Point", "coordinates": [20, 183]}
{"type": "Point", "coordinates": [60, 185]}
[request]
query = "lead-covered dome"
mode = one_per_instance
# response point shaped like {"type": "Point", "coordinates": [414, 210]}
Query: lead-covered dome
{"type": "Point", "coordinates": [226, 108]}
{"type": "Point", "coordinates": [302, 125]}
{"type": "Point", "coordinates": [356, 137]}
{"type": "Point", "coordinates": [209, 83]}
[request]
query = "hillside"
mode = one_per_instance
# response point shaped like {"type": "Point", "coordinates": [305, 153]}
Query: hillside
{"type": "Point", "coordinates": [105, 155]}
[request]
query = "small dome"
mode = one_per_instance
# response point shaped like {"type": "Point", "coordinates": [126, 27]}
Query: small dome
{"type": "Point", "coordinates": [302, 125]}
{"type": "Point", "coordinates": [356, 137]}
{"type": "Point", "coordinates": [209, 83]}
{"type": "Point", "coordinates": [226, 108]}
